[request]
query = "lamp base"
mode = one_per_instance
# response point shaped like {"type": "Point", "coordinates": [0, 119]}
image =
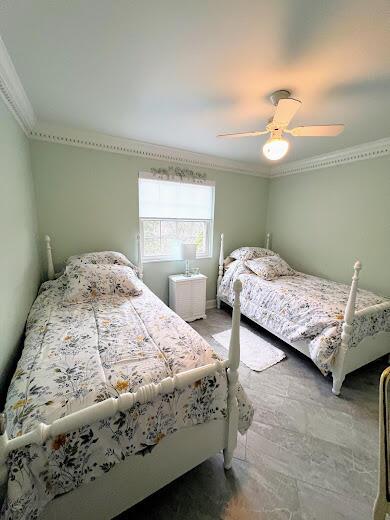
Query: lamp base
{"type": "Point", "coordinates": [187, 273]}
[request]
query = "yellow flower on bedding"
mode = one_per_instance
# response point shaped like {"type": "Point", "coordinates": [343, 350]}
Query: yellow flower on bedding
{"type": "Point", "coordinates": [67, 338]}
{"type": "Point", "coordinates": [20, 404]}
{"type": "Point", "coordinates": [121, 385]}
{"type": "Point", "coordinates": [339, 316]}
{"type": "Point", "coordinates": [159, 437]}
{"type": "Point", "coordinates": [140, 338]}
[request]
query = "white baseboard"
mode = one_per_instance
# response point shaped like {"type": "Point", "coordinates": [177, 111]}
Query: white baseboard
{"type": "Point", "coordinates": [211, 304]}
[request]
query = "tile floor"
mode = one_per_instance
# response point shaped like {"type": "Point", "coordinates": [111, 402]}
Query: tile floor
{"type": "Point", "coordinates": [308, 455]}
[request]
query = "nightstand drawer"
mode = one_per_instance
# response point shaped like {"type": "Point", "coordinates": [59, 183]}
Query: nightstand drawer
{"type": "Point", "coordinates": [187, 296]}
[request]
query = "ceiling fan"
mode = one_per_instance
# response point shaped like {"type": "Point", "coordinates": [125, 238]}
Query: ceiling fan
{"type": "Point", "coordinates": [276, 146]}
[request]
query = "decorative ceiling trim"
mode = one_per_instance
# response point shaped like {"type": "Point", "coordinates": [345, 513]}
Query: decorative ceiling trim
{"type": "Point", "coordinates": [12, 92]}
{"type": "Point", "coordinates": [97, 141]}
{"type": "Point", "coordinates": [361, 152]}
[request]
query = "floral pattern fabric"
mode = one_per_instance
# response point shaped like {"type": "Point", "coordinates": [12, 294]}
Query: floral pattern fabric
{"type": "Point", "coordinates": [270, 267]}
{"type": "Point", "coordinates": [77, 355]}
{"type": "Point", "coordinates": [304, 307]}
{"type": "Point", "coordinates": [102, 257]}
{"type": "Point", "coordinates": [247, 253]}
{"type": "Point", "coordinates": [87, 282]}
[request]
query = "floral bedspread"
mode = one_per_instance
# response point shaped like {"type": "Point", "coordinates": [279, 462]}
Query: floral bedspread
{"type": "Point", "coordinates": [78, 354]}
{"type": "Point", "coordinates": [304, 307]}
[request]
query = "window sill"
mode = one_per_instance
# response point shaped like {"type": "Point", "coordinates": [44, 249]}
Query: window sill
{"type": "Point", "coordinates": [155, 260]}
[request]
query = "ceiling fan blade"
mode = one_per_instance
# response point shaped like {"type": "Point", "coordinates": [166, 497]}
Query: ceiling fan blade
{"type": "Point", "coordinates": [285, 111]}
{"type": "Point", "coordinates": [245, 134]}
{"type": "Point", "coordinates": [317, 131]}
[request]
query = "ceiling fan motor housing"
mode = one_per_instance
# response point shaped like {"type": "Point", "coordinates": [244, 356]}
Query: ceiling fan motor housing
{"type": "Point", "coordinates": [276, 96]}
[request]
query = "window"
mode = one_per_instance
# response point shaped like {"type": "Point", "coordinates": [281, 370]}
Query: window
{"type": "Point", "coordinates": [174, 212]}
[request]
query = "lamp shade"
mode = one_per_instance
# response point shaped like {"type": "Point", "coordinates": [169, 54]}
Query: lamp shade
{"type": "Point", "coordinates": [188, 251]}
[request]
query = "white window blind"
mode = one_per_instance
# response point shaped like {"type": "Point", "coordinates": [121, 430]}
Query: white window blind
{"type": "Point", "coordinates": [174, 212]}
{"type": "Point", "coordinates": [169, 199]}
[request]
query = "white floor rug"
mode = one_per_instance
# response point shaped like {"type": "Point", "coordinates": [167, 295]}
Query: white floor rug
{"type": "Point", "coordinates": [256, 353]}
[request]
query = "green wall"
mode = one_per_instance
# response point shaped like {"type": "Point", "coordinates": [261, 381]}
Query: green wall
{"type": "Point", "coordinates": [88, 201]}
{"type": "Point", "coordinates": [321, 221]}
{"type": "Point", "coordinates": [19, 260]}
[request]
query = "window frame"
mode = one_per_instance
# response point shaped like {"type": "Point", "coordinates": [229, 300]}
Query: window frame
{"type": "Point", "coordinates": [173, 258]}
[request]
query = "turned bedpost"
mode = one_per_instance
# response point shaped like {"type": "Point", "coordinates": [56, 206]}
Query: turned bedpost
{"type": "Point", "coordinates": [346, 334]}
{"type": "Point", "coordinates": [50, 266]}
{"type": "Point", "coordinates": [220, 271]}
{"type": "Point", "coordinates": [140, 266]}
{"type": "Point", "coordinates": [232, 375]}
{"type": "Point", "coordinates": [3, 450]}
{"type": "Point", "coordinates": [268, 241]}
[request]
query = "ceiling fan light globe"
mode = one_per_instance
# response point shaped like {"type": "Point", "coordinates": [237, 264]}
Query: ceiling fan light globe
{"type": "Point", "coordinates": [275, 149]}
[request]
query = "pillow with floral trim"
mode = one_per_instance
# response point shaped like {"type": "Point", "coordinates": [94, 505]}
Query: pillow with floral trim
{"type": "Point", "coordinates": [270, 267]}
{"type": "Point", "coordinates": [247, 253]}
{"type": "Point", "coordinates": [86, 283]}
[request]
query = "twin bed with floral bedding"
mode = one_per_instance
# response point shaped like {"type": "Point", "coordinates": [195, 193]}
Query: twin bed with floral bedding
{"type": "Point", "coordinates": [95, 333]}
{"type": "Point", "coordinates": [340, 327]}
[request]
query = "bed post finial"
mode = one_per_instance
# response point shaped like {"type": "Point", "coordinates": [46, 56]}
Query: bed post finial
{"type": "Point", "coordinates": [232, 374]}
{"type": "Point", "coordinates": [140, 266]}
{"type": "Point", "coordinates": [268, 241]}
{"type": "Point", "coordinates": [220, 271]}
{"type": "Point", "coordinates": [3, 448]}
{"type": "Point", "coordinates": [50, 266]}
{"type": "Point", "coordinates": [346, 334]}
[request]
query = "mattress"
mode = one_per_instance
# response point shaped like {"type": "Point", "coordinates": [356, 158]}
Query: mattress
{"type": "Point", "coordinates": [79, 354]}
{"type": "Point", "coordinates": [304, 307]}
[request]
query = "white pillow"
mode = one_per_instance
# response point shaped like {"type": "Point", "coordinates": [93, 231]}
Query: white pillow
{"type": "Point", "coordinates": [270, 267]}
{"type": "Point", "coordinates": [89, 282]}
{"type": "Point", "coordinates": [247, 253]}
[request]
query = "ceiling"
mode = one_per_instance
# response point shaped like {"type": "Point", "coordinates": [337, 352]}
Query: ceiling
{"type": "Point", "coordinates": [178, 72]}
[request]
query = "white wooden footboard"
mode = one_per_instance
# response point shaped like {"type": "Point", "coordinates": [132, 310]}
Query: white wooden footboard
{"type": "Point", "coordinates": [109, 407]}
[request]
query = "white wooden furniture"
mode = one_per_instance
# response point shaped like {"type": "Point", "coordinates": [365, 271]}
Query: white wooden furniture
{"type": "Point", "coordinates": [382, 502]}
{"type": "Point", "coordinates": [347, 359]}
{"type": "Point", "coordinates": [137, 477]}
{"type": "Point", "coordinates": [187, 296]}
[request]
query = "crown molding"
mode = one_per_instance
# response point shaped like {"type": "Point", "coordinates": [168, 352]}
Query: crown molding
{"type": "Point", "coordinates": [12, 92]}
{"type": "Point", "coordinates": [361, 152]}
{"type": "Point", "coordinates": [103, 142]}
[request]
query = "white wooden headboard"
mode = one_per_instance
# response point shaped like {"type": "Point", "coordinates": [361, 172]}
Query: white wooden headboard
{"type": "Point", "coordinates": [221, 263]}
{"type": "Point", "coordinates": [50, 266]}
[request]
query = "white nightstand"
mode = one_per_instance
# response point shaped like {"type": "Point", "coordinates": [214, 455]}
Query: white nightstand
{"type": "Point", "coordinates": [187, 296]}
